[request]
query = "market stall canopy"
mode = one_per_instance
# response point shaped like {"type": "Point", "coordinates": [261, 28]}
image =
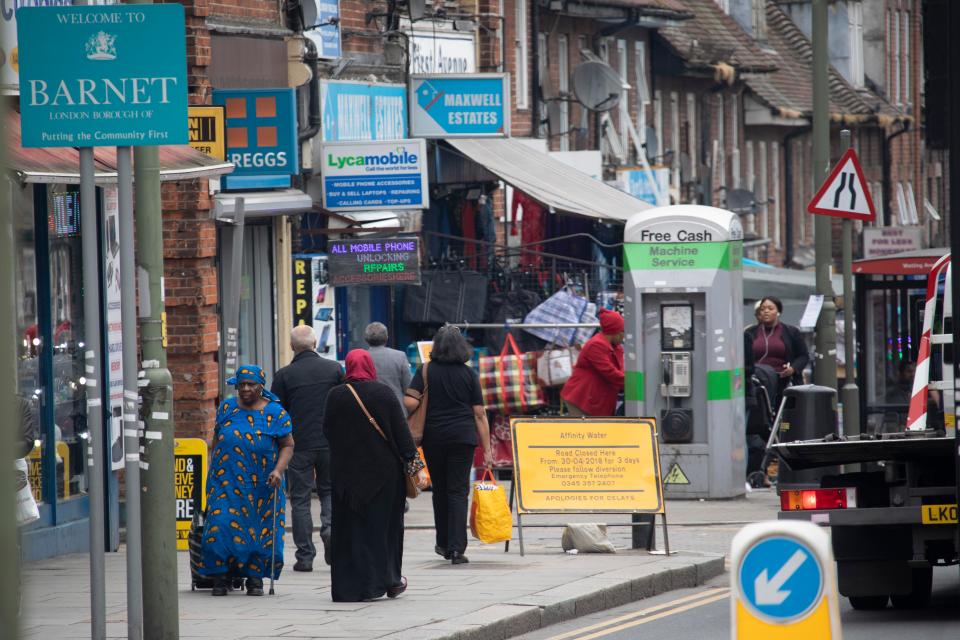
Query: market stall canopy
{"type": "Point", "coordinates": [61, 165]}
{"type": "Point", "coordinates": [549, 181]}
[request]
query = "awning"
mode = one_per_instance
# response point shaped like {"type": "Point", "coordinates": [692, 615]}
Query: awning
{"type": "Point", "coordinates": [61, 165]}
{"type": "Point", "coordinates": [258, 204]}
{"type": "Point", "coordinates": [907, 263]}
{"type": "Point", "coordinates": [547, 180]}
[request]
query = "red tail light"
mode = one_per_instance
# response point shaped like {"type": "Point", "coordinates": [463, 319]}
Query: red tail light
{"type": "Point", "coordinates": [817, 499]}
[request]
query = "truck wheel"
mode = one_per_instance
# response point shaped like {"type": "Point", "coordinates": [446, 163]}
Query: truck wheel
{"type": "Point", "coordinates": [919, 595]}
{"type": "Point", "coordinates": [868, 603]}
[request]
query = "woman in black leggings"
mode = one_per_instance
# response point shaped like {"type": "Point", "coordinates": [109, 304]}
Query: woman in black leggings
{"type": "Point", "coordinates": [455, 421]}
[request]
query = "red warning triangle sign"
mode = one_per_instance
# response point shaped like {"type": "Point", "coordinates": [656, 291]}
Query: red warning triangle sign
{"type": "Point", "coordinates": [844, 193]}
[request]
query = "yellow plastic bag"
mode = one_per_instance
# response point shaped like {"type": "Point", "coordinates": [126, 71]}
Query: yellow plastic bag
{"type": "Point", "coordinates": [490, 517]}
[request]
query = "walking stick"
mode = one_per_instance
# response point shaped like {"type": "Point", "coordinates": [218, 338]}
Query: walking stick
{"type": "Point", "coordinates": [273, 547]}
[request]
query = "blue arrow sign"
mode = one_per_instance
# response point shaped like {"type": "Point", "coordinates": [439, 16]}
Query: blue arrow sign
{"type": "Point", "coordinates": [447, 106]}
{"type": "Point", "coordinates": [780, 579]}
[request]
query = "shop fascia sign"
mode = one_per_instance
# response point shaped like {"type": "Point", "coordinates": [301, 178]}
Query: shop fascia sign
{"type": "Point", "coordinates": [460, 106]}
{"type": "Point", "coordinates": [442, 52]}
{"type": "Point", "coordinates": [363, 110]}
{"type": "Point", "coordinates": [261, 136]}
{"type": "Point", "coordinates": [116, 75]}
{"type": "Point", "coordinates": [372, 175]}
{"type": "Point", "coordinates": [325, 30]}
{"type": "Point", "coordinates": [884, 241]}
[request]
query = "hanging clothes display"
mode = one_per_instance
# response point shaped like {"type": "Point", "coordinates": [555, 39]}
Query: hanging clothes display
{"type": "Point", "coordinates": [533, 226]}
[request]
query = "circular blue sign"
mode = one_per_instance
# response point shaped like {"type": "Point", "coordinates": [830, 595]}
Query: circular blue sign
{"type": "Point", "coordinates": [781, 579]}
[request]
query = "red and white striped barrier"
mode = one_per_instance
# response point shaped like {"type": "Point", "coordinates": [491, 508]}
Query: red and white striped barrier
{"type": "Point", "coordinates": [917, 414]}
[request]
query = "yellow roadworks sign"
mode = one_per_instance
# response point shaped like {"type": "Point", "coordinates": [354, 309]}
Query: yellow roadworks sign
{"type": "Point", "coordinates": [591, 466]}
{"type": "Point", "coordinates": [189, 483]}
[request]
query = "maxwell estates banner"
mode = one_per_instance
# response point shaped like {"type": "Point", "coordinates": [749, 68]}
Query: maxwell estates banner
{"type": "Point", "coordinates": [460, 106]}
{"type": "Point", "coordinates": [103, 76]}
{"type": "Point", "coordinates": [370, 175]}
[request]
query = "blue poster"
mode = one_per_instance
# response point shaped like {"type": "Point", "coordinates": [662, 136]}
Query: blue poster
{"type": "Point", "coordinates": [448, 106]}
{"type": "Point", "coordinates": [103, 75]}
{"type": "Point", "coordinates": [651, 186]}
{"type": "Point", "coordinates": [389, 174]}
{"type": "Point", "coordinates": [363, 110]}
{"type": "Point", "coordinates": [326, 31]}
{"type": "Point", "coordinates": [261, 131]}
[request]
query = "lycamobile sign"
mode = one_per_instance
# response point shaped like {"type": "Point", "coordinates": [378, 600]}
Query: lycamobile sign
{"type": "Point", "coordinates": [102, 75]}
{"type": "Point", "coordinates": [380, 174]}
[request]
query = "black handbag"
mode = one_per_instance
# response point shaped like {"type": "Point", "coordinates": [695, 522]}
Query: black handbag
{"type": "Point", "coordinates": [446, 296]}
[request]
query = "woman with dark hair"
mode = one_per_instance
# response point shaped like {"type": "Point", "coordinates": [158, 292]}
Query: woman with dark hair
{"type": "Point", "coordinates": [370, 452]}
{"type": "Point", "coordinates": [775, 344]}
{"type": "Point", "coordinates": [455, 420]}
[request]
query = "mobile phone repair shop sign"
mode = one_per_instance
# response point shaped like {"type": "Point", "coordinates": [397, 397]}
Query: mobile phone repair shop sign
{"type": "Point", "coordinates": [375, 175]}
{"type": "Point", "coordinates": [377, 261]}
{"type": "Point", "coordinates": [102, 75]}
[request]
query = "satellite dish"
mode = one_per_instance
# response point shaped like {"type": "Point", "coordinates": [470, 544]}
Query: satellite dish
{"type": "Point", "coordinates": [417, 9]}
{"type": "Point", "coordinates": [309, 9]}
{"type": "Point", "coordinates": [741, 201]}
{"type": "Point", "coordinates": [597, 86]}
{"type": "Point", "coordinates": [651, 143]}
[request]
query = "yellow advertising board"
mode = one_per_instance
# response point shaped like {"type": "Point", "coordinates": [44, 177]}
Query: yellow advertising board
{"type": "Point", "coordinates": [424, 349]}
{"type": "Point", "coordinates": [189, 483]}
{"type": "Point", "coordinates": [597, 465]}
{"type": "Point", "coordinates": [207, 132]}
{"type": "Point", "coordinates": [35, 474]}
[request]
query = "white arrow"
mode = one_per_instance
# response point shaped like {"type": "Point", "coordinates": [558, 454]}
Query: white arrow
{"type": "Point", "coordinates": [767, 592]}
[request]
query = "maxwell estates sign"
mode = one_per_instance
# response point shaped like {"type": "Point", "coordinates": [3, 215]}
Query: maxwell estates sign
{"type": "Point", "coordinates": [460, 106]}
{"type": "Point", "coordinates": [102, 75]}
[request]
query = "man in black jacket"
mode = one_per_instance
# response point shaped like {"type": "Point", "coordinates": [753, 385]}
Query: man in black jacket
{"type": "Point", "coordinates": [302, 387]}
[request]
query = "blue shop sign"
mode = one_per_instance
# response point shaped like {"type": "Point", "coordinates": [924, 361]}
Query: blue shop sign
{"type": "Point", "coordinates": [325, 31]}
{"type": "Point", "coordinates": [379, 174]}
{"type": "Point", "coordinates": [468, 106]}
{"type": "Point", "coordinates": [102, 75]}
{"type": "Point", "coordinates": [363, 110]}
{"type": "Point", "coordinates": [261, 129]}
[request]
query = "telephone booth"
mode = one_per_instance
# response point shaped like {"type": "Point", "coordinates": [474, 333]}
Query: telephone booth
{"type": "Point", "coordinates": [890, 297]}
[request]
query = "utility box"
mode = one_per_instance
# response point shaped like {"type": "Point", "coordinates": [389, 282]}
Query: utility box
{"type": "Point", "coordinates": [683, 286]}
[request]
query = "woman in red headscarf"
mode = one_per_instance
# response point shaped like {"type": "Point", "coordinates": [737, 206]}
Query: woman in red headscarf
{"type": "Point", "coordinates": [370, 452]}
{"type": "Point", "coordinates": [598, 375]}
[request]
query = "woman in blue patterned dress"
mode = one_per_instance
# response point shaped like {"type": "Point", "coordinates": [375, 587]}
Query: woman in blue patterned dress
{"type": "Point", "coordinates": [252, 446]}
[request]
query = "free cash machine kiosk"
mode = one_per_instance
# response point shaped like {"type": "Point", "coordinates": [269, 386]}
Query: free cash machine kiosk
{"type": "Point", "coordinates": [683, 286]}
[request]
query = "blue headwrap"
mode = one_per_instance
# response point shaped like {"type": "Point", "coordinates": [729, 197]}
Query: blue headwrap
{"type": "Point", "coordinates": [252, 373]}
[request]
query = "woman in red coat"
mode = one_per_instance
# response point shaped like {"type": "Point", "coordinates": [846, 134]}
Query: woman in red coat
{"type": "Point", "coordinates": [598, 375]}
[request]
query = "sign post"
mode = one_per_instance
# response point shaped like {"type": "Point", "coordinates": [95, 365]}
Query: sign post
{"type": "Point", "coordinates": [598, 465]}
{"type": "Point", "coordinates": [844, 194]}
{"type": "Point", "coordinates": [116, 77]}
{"type": "Point", "coordinates": [784, 583]}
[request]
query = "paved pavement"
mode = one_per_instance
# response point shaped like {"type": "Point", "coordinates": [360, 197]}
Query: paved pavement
{"type": "Point", "coordinates": [498, 595]}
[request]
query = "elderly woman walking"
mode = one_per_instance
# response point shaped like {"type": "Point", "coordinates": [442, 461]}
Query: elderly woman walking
{"type": "Point", "coordinates": [252, 446]}
{"type": "Point", "coordinates": [370, 453]}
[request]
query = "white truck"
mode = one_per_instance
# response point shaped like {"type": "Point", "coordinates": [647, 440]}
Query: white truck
{"type": "Point", "coordinates": [891, 503]}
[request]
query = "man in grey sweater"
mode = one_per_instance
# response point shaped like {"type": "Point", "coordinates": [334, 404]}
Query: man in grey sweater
{"type": "Point", "coordinates": [393, 369]}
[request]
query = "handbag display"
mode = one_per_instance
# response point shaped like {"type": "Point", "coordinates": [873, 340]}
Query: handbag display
{"type": "Point", "coordinates": [418, 417]}
{"type": "Point", "coordinates": [509, 381]}
{"type": "Point", "coordinates": [411, 485]}
{"type": "Point", "coordinates": [555, 366]}
{"type": "Point", "coordinates": [446, 296]}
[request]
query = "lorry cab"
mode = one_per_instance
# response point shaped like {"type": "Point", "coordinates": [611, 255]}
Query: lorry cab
{"type": "Point", "coordinates": [889, 494]}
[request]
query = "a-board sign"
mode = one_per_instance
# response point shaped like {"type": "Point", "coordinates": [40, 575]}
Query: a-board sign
{"type": "Point", "coordinates": [95, 76]}
{"type": "Point", "coordinates": [597, 465]}
{"type": "Point", "coordinates": [189, 483]}
{"type": "Point", "coordinates": [35, 472]}
{"type": "Point", "coordinates": [784, 582]}
{"type": "Point", "coordinates": [377, 261]}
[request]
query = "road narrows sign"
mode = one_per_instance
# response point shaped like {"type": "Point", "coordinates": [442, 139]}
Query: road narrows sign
{"type": "Point", "coordinates": [844, 194]}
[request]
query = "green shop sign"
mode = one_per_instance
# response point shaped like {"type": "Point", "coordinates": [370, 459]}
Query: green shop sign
{"type": "Point", "coordinates": [683, 255]}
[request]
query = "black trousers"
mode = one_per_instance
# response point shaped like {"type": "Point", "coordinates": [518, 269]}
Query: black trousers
{"type": "Point", "coordinates": [449, 467]}
{"type": "Point", "coordinates": [309, 469]}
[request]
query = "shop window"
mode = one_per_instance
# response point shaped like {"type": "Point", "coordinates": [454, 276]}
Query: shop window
{"type": "Point", "coordinates": [521, 73]}
{"type": "Point", "coordinates": [543, 43]}
{"type": "Point", "coordinates": [855, 21]}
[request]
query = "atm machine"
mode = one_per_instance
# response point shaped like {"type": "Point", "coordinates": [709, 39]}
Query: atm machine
{"type": "Point", "coordinates": [683, 287]}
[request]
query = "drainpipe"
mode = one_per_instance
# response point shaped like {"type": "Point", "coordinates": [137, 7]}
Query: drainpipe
{"type": "Point", "coordinates": [313, 119]}
{"type": "Point", "coordinates": [788, 187]}
{"type": "Point", "coordinates": [887, 170]}
{"type": "Point", "coordinates": [535, 46]}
